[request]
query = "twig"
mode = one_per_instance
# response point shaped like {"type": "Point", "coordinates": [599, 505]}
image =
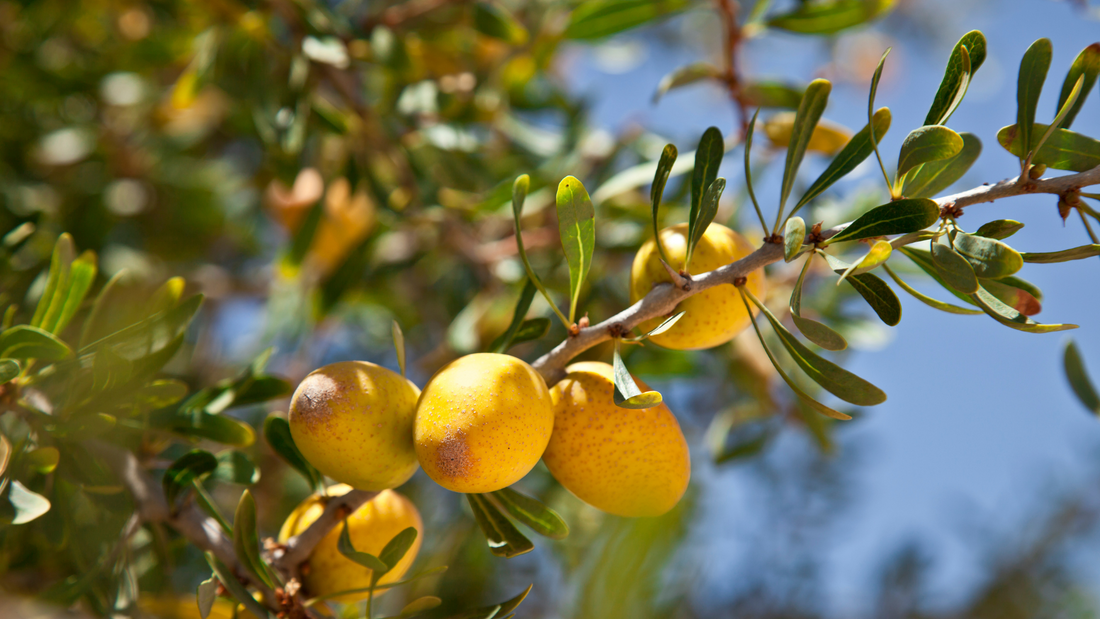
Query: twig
{"type": "Point", "coordinates": [288, 558]}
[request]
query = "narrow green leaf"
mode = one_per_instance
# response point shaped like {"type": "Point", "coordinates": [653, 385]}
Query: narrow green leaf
{"type": "Point", "coordinates": [665, 325]}
{"type": "Point", "coordinates": [708, 157]}
{"type": "Point", "coordinates": [235, 588]}
{"type": "Point", "coordinates": [627, 394]}
{"type": "Point", "coordinates": [833, 378]}
{"type": "Point", "coordinates": [419, 605]}
{"type": "Point", "coordinates": [657, 192]}
{"type": "Point", "coordinates": [519, 196]}
{"type": "Point", "coordinates": [235, 467]}
{"type": "Point", "coordinates": [49, 305]}
{"type": "Point", "coordinates": [1033, 72]}
{"type": "Point", "coordinates": [1060, 118]}
{"type": "Point", "coordinates": [495, 21]}
{"type": "Point", "coordinates": [495, 611]}
{"type": "Point", "coordinates": [874, 291]}
{"type": "Point", "coordinates": [532, 330]}
{"type": "Point", "coordinates": [596, 19]}
{"type": "Point", "coordinates": [953, 269]}
{"type": "Point", "coordinates": [277, 434]}
{"type": "Point", "coordinates": [218, 428]}
{"type": "Point", "coordinates": [187, 468]}
{"type": "Point", "coordinates": [683, 76]}
{"type": "Point", "coordinates": [873, 134]}
{"type": "Point", "coordinates": [82, 274]}
{"type": "Point", "coordinates": [899, 217]}
{"type": "Point", "coordinates": [854, 153]}
{"type": "Point", "coordinates": [805, 120]}
{"type": "Point", "coordinates": [990, 258]}
{"type": "Point", "coordinates": [929, 179]}
{"type": "Point", "coordinates": [9, 369]}
{"type": "Point", "coordinates": [966, 58]}
{"type": "Point", "coordinates": [395, 550]}
{"type": "Point", "coordinates": [794, 235]}
{"type": "Point", "coordinates": [927, 300]}
{"type": "Point", "coordinates": [27, 505]}
{"type": "Point", "coordinates": [504, 341]}
{"type": "Point", "coordinates": [1076, 253]}
{"type": "Point", "coordinates": [27, 342]}
{"type": "Point", "coordinates": [1086, 66]}
{"type": "Point", "coordinates": [1063, 150]}
{"type": "Point", "coordinates": [206, 595]}
{"type": "Point", "coordinates": [153, 334]}
{"type": "Point", "coordinates": [923, 259]}
{"type": "Point", "coordinates": [246, 541]}
{"type": "Point", "coordinates": [1079, 379]}
{"type": "Point", "coordinates": [503, 537]}
{"type": "Point", "coordinates": [1009, 317]}
{"type": "Point", "coordinates": [878, 254]}
{"type": "Point", "coordinates": [708, 208]}
{"type": "Point", "coordinates": [744, 448]}
{"type": "Point", "coordinates": [399, 345]}
{"type": "Point", "coordinates": [816, 332]}
{"type": "Point", "coordinates": [577, 226]}
{"type": "Point", "coordinates": [928, 143]}
{"type": "Point", "coordinates": [999, 229]}
{"type": "Point", "coordinates": [831, 16]}
{"type": "Point", "coordinates": [533, 513]}
{"type": "Point", "coordinates": [748, 173]}
{"type": "Point", "coordinates": [769, 94]}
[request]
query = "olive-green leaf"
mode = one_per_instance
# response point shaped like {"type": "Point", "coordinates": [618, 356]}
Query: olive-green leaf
{"type": "Point", "coordinates": [999, 229]}
{"type": "Point", "coordinates": [519, 195]}
{"type": "Point", "coordinates": [186, 469]}
{"type": "Point", "coordinates": [953, 269]}
{"type": "Point", "coordinates": [833, 378]}
{"type": "Point", "coordinates": [495, 21]}
{"type": "Point", "coordinates": [1076, 253]}
{"type": "Point", "coordinates": [398, 344]}
{"type": "Point", "coordinates": [504, 341]}
{"type": "Point", "coordinates": [532, 329]}
{"type": "Point", "coordinates": [1015, 293]}
{"type": "Point", "coordinates": [966, 58]}
{"type": "Point", "coordinates": [596, 19]}
{"type": "Point", "coordinates": [708, 158]}
{"type": "Point", "coordinates": [277, 434]}
{"type": "Point", "coordinates": [1074, 94]}
{"type": "Point", "coordinates": [877, 255]}
{"type": "Point", "coordinates": [770, 94]}
{"type": "Point", "coordinates": [205, 595]}
{"type": "Point", "coordinates": [495, 611]}
{"type": "Point", "coordinates": [1079, 379]}
{"type": "Point", "coordinates": [1087, 66]}
{"type": "Point", "coordinates": [627, 394]}
{"type": "Point", "coordinates": [794, 234]}
{"type": "Point", "coordinates": [657, 191]}
{"type": "Point", "coordinates": [365, 559]}
{"type": "Point", "coordinates": [854, 153]}
{"type": "Point", "coordinates": [1033, 72]}
{"type": "Point", "coordinates": [923, 259]}
{"type": "Point", "coordinates": [990, 258]}
{"type": "Point", "coordinates": [9, 369]}
{"type": "Point", "coordinates": [50, 303]}
{"type": "Point", "coordinates": [805, 120]}
{"type": "Point", "coordinates": [927, 300]}
{"type": "Point", "coordinates": [503, 537]}
{"type": "Point", "coordinates": [1009, 317]}
{"type": "Point", "coordinates": [42, 460]}
{"type": "Point", "coordinates": [235, 467]}
{"type": "Point", "coordinates": [929, 179]}
{"type": "Point", "coordinates": [246, 540]}
{"type": "Point", "coordinates": [27, 505]}
{"type": "Point", "coordinates": [928, 143]}
{"type": "Point", "coordinates": [708, 208]}
{"type": "Point", "coordinates": [816, 332]}
{"type": "Point", "coordinates": [27, 342]}
{"type": "Point", "coordinates": [82, 274]}
{"type": "Point", "coordinates": [665, 325]}
{"type": "Point", "coordinates": [419, 605]}
{"type": "Point", "coordinates": [235, 588]}
{"type": "Point", "coordinates": [395, 550]}
{"type": "Point", "coordinates": [683, 76]}
{"type": "Point", "coordinates": [874, 291]}
{"type": "Point", "coordinates": [577, 226]}
{"type": "Point", "coordinates": [532, 513]}
{"type": "Point", "coordinates": [831, 16]}
{"type": "Point", "coordinates": [899, 217]}
{"type": "Point", "coordinates": [1063, 150]}
{"type": "Point", "coordinates": [219, 428]}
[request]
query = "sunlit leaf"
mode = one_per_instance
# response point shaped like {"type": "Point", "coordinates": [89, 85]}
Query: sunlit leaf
{"type": "Point", "coordinates": [532, 513]}
{"type": "Point", "coordinates": [999, 229]}
{"type": "Point", "coordinates": [805, 120]}
{"type": "Point", "coordinates": [1076, 253]}
{"type": "Point", "coordinates": [929, 179]}
{"type": "Point", "coordinates": [966, 58]}
{"type": "Point", "coordinates": [596, 19]}
{"type": "Point", "coordinates": [26, 505]}
{"type": "Point", "coordinates": [878, 254]}
{"type": "Point", "coordinates": [419, 605]}
{"type": "Point", "coordinates": [831, 16]}
{"type": "Point", "coordinates": [82, 274]}
{"type": "Point", "coordinates": [5, 453]}
{"type": "Point", "coordinates": [27, 342]}
{"type": "Point", "coordinates": [858, 149]}
{"type": "Point", "coordinates": [899, 217]}
{"type": "Point", "coordinates": [399, 345]}
{"type": "Point", "coordinates": [42, 460]}
{"type": "Point", "coordinates": [395, 550]}
{"type": "Point", "coordinates": [665, 325]}
{"type": "Point", "coordinates": [1063, 150]}
{"type": "Point", "coordinates": [206, 595]}
{"type": "Point", "coordinates": [503, 537]}
{"type": "Point", "coordinates": [1078, 377]}
{"type": "Point", "coordinates": [1033, 72]}
{"type": "Point", "coordinates": [52, 300]}
{"type": "Point", "coordinates": [577, 226]}
{"type": "Point", "coordinates": [794, 235]}
{"type": "Point", "coordinates": [990, 258]}
{"type": "Point", "coordinates": [1009, 292]}
{"type": "Point", "coordinates": [1085, 67]}
{"type": "Point", "coordinates": [925, 144]}
{"type": "Point", "coordinates": [627, 394]}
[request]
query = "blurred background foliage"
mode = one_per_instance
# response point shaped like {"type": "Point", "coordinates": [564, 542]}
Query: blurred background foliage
{"type": "Point", "coordinates": [318, 169]}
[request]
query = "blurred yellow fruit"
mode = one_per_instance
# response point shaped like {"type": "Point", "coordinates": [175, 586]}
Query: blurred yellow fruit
{"type": "Point", "coordinates": [828, 138]}
{"type": "Point", "coordinates": [622, 461]}
{"type": "Point", "coordinates": [714, 316]}
{"type": "Point", "coordinates": [370, 528]}
{"type": "Point", "coordinates": [353, 421]}
{"type": "Point", "coordinates": [482, 422]}
{"type": "Point", "coordinates": [171, 606]}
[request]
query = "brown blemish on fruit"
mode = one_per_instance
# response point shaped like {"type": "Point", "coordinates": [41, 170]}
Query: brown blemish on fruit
{"type": "Point", "coordinates": [315, 397]}
{"type": "Point", "coordinates": [453, 456]}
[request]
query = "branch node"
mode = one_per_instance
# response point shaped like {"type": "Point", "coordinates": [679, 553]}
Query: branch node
{"type": "Point", "coordinates": [680, 279]}
{"type": "Point", "coordinates": [951, 210]}
{"type": "Point", "coordinates": [617, 330]}
{"type": "Point", "coordinates": [740, 281]}
{"type": "Point", "coordinates": [775, 239]}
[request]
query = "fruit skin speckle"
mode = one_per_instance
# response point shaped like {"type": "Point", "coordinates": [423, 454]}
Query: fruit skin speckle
{"type": "Point", "coordinates": [482, 422]}
{"type": "Point", "coordinates": [371, 527]}
{"type": "Point", "coordinates": [714, 316]}
{"type": "Point", "coordinates": [353, 421]}
{"type": "Point", "coordinates": [622, 461]}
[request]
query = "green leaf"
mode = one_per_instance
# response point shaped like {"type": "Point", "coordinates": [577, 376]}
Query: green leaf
{"type": "Point", "coordinates": [1076, 253]}
{"type": "Point", "coordinates": [833, 378]}
{"type": "Point", "coordinates": [999, 229]}
{"type": "Point", "coordinates": [899, 217]}
{"type": "Point", "coordinates": [532, 329]}
{"type": "Point", "coordinates": [748, 173]}
{"type": "Point", "coordinates": [923, 259]}
{"type": "Point", "coordinates": [1015, 293]}
{"type": "Point", "coordinates": [27, 342]}
{"type": "Point", "coordinates": [968, 55]}
{"type": "Point", "coordinates": [708, 208]}
{"type": "Point", "coordinates": [395, 550]}
{"type": "Point", "coordinates": [200, 424]}
{"type": "Point", "coordinates": [52, 300]}
{"type": "Point", "coordinates": [854, 153]}
{"type": "Point", "coordinates": [596, 19]}
{"type": "Point", "coordinates": [708, 158]}
{"type": "Point", "coordinates": [235, 588]}
{"type": "Point", "coordinates": [1063, 150]}
{"type": "Point", "coordinates": [873, 135]}
{"type": "Point", "coordinates": [1062, 113]}
{"type": "Point", "coordinates": [627, 394]}
{"type": "Point", "coordinates": [9, 369]}
{"type": "Point", "coordinates": [874, 291]}
{"type": "Point", "coordinates": [206, 595]}
{"type": "Point", "coordinates": [494, 611]}
{"type": "Point", "coordinates": [235, 467]}
{"type": "Point", "coordinates": [953, 269]}
{"type": "Point", "coordinates": [990, 258]}
{"type": "Point", "coordinates": [82, 274]}
{"type": "Point", "coordinates": [504, 341]}
{"type": "Point", "coordinates": [794, 235]}
{"type": "Point", "coordinates": [419, 605]}
{"type": "Point", "coordinates": [816, 332]}
{"type": "Point", "coordinates": [927, 300]}
{"type": "Point", "coordinates": [665, 325]}
{"type": "Point", "coordinates": [929, 143]}
{"type": "Point", "coordinates": [186, 469]}
{"type": "Point", "coordinates": [399, 345]}
{"type": "Point", "coordinates": [577, 226]}
{"type": "Point", "coordinates": [42, 460]}
{"type": "Point", "coordinates": [277, 434]}
{"type": "Point", "coordinates": [495, 21]}
{"type": "Point", "coordinates": [381, 587]}
{"type": "Point", "coordinates": [688, 74]}
{"type": "Point", "coordinates": [831, 16]}
{"type": "Point", "coordinates": [768, 94]}
{"type": "Point", "coordinates": [27, 505]}
{"type": "Point", "coordinates": [1086, 66]}
{"type": "Point", "coordinates": [519, 195]}
{"type": "Point", "coordinates": [877, 255]}
{"type": "Point", "coordinates": [1079, 378]}
{"type": "Point", "coordinates": [1033, 72]}
{"type": "Point", "coordinates": [503, 537]}
{"type": "Point", "coordinates": [805, 120]}
{"type": "Point", "coordinates": [531, 512]}
{"type": "Point", "coordinates": [744, 448]}
{"type": "Point", "coordinates": [1009, 317]}
{"type": "Point", "coordinates": [929, 179]}
{"type": "Point", "coordinates": [246, 541]}
{"type": "Point", "coordinates": [657, 192]}
{"type": "Point", "coordinates": [153, 334]}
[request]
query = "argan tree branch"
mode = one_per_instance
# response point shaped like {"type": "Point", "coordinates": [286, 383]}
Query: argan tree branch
{"type": "Point", "coordinates": [663, 299]}
{"type": "Point", "coordinates": [288, 558]}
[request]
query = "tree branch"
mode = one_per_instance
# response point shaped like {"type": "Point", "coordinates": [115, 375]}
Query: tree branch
{"type": "Point", "coordinates": [663, 299]}
{"type": "Point", "coordinates": [288, 558]}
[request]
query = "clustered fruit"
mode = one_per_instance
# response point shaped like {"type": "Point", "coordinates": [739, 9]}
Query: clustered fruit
{"type": "Point", "coordinates": [484, 420]}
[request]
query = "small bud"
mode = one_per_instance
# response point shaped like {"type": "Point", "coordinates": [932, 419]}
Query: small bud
{"type": "Point", "coordinates": [583, 322]}
{"type": "Point", "coordinates": [740, 281]}
{"type": "Point", "coordinates": [1036, 172]}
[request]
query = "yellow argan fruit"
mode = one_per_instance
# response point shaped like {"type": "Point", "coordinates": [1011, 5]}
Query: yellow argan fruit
{"type": "Point", "coordinates": [622, 461]}
{"type": "Point", "coordinates": [827, 138]}
{"type": "Point", "coordinates": [353, 421]}
{"type": "Point", "coordinates": [482, 422]}
{"type": "Point", "coordinates": [714, 316]}
{"type": "Point", "coordinates": [370, 528]}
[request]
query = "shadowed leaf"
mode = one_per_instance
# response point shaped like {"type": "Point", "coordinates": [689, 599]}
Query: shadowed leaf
{"type": "Point", "coordinates": [925, 144]}
{"type": "Point", "coordinates": [277, 434]}
{"type": "Point", "coordinates": [999, 229]}
{"type": "Point", "coordinates": [504, 341]}
{"type": "Point", "coordinates": [831, 16]}
{"type": "Point", "coordinates": [708, 157]}
{"type": "Point", "coordinates": [532, 513]}
{"type": "Point", "coordinates": [1086, 67]}
{"type": "Point", "coordinates": [929, 301]}
{"type": "Point", "coordinates": [186, 469]}
{"type": "Point", "coordinates": [1078, 377]}
{"type": "Point", "coordinates": [805, 120]}
{"type": "Point", "coordinates": [1011, 318]}
{"type": "Point", "coordinates": [708, 208]}
{"type": "Point", "coordinates": [900, 217]}
{"type": "Point", "coordinates": [596, 19]}
{"type": "Point", "coordinates": [953, 269]}
{"type": "Point", "coordinates": [657, 191]}
{"type": "Point", "coordinates": [816, 332]}
{"type": "Point", "coordinates": [685, 75]}
{"type": "Point", "coordinates": [1076, 253]}
{"type": "Point", "coordinates": [503, 537]}
{"type": "Point", "coordinates": [27, 342]}
{"type": "Point", "coordinates": [990, 258]}
{"type": "Point", "coordinates": [929, 179]}
{"type": "Point", "coordinates": [1033, 72]}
